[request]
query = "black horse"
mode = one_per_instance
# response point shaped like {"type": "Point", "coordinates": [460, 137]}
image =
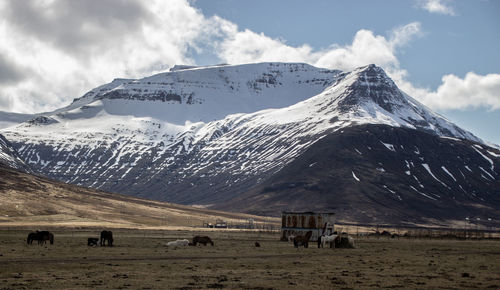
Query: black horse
{"type": "Point", "coordinates": [41, 236]}
{"type": "Point", "coordinates": [107, 236]}
{"type": "Point", "coordinates": [204, 240]}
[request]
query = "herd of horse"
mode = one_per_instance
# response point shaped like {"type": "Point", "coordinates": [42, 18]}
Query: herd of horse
{"type": "Point", "coordinates": [43, 236]}
{"type": "Point", "coordinates": [107, 238]}
{"type": "Point", "coordinates": [335, 240]}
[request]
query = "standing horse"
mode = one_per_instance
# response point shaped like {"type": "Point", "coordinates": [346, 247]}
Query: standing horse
{"type": "Point", "coordinates": [106, 236]}
{"type": "Point", "coordinates": [327, 239]}
{"type": "Point", "coordinates": [302, 240]}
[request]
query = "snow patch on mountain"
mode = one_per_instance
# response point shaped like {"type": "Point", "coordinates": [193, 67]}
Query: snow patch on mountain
{"type": "Point", "coordinates": [9, 156]}
{"type": "Point", "coordinates": [426, 166]}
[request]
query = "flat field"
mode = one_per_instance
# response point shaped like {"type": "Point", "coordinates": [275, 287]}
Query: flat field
{"type": "Point", "coordinates": [140, 260]}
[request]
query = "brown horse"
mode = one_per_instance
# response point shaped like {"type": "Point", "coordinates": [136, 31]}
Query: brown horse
{"type": "Point", "coordinates": [204, 240]}
{"type": "Point", "coordinates": [106, 236]}
{"type": "Point", "coordinates": [302, 240]}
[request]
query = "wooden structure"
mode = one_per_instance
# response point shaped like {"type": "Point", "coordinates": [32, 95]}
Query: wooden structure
{"type": "Point", "coordinates": [299, 223]}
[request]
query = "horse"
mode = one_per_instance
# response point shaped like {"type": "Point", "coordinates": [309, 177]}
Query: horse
{"type": "Point", "coordinates": [291, 238]}
{"type": "Point", "coordinates": [41, 236]}
{"type": "Point", "coordinates": [344, 241]}
{"type": "Point", "coordinates": [106, 236]}
{"type": "Point", "coordinates": [302, 240]}
{"type": "Point", "coordinates": [178, 243]}
{"type": "Point", "coordinates": [327, 239]}
{"type": "Point", "coordinates": [92, 242]}
{"type": "Point", "coordinates": [202, 240]}
{"type": "Point", "coordinates": [45, 236]}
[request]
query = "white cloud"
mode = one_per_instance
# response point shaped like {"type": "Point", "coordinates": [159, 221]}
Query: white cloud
{"type": "Point", "coordinates": [366, 48]}
{"type": "Point", "coordinates": [248, 46]}
{"type": "Point", "coordinates": [473, 91]}
{"type": "Point", "coordinates": [67, 47]}
{"type": "Point", "coordinates": [437, 6]}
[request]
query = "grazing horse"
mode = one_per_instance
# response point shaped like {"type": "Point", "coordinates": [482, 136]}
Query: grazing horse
{"type": "Point", "coordinates": [302, 240]}
{"type": "Point", "coordinates": [178, 243]}
{"type": "Point", "coordinates": [204, 240]}
{"type": "Point", "coordinates": [41, 236]}
{"type": "Point", "coordinates": [327, 239]}
{"type": "Point", "coordinates": [106, 236]}
{"type": "Point", "coordinates": [45, 236]}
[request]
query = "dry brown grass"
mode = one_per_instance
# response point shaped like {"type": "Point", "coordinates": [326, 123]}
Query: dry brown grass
{"type": "Point", "coordinates": [32, 201]}
{"type": "Point", "coordinates": [140, 260]}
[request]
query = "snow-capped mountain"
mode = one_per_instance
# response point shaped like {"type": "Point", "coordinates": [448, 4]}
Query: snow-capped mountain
{"type": "Point", "coordinates": [107, 132]}
{"type": "Point", "coordinates": [204, 135]}
{"type": "Point", "coordinates": [204, 94]}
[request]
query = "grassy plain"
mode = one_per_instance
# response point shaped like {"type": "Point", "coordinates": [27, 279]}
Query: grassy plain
{"type": "Point", "coordinates": [140, 260]}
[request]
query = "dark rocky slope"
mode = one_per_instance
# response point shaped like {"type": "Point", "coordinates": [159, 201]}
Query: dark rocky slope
{"type": "Point", "coordinates": [394, 184]}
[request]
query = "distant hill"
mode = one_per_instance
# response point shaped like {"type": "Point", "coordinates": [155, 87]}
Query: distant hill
{"type": "Point", "coordinates": [32, 201]}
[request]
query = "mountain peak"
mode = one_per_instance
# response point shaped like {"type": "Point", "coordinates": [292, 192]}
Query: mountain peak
{"type": "Point", "coordinates": [370, 84]}
{"type": "Point", "coordinates": [370, 68]}
{"type": "Point", "coordinates": [368, 95]}
{"type": "Point", "coordinates": [373, 76]}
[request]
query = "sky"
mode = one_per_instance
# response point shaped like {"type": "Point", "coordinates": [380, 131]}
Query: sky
{"type": "Point", "coordinates": [443, 53]}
